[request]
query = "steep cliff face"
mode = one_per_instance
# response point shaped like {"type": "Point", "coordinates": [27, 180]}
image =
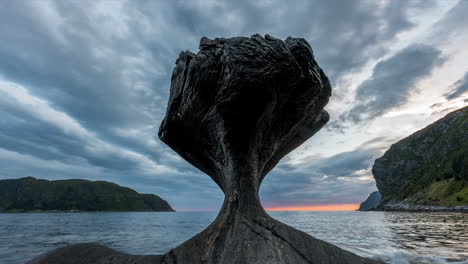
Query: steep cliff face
{"type": "Point", "coordinates": [30, 194]}
{"type": "Point", "coordinates": [371, 202]}
{"type": "Point", "coordinates": [428, 168]}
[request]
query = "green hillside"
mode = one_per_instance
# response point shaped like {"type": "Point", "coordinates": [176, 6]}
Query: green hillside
{"type": "Point", "coordinates": [429, 167]}
{"type": "Point", "coordinates": [30, 194]}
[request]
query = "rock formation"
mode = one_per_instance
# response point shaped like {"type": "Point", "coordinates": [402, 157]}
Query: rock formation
{"type": "Point", "coordinates": [371, 202]}
{"type": "Point", "coordinates": [428, 170]}
{"type": "Point", "coordinates": [235, 109]}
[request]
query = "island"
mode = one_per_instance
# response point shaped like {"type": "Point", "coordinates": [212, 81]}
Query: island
{"type": "Point", "coordinates": [36, 195]}
{"type": "Point", "coordinates": [428, 170]}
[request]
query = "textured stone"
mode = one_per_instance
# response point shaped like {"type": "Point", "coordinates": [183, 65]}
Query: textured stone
{"type": "Point", "coordinates": [89, 253]}
{"type": "Point", "coordinates": [235, 109]}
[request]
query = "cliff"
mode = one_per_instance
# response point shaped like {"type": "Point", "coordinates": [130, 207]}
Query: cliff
{"type": "Point", "coordinates": [428, 169]}
{"type": "Point", "coordinates": [371, 202]}
{"type": "Point", "coordinates": [30, 194]}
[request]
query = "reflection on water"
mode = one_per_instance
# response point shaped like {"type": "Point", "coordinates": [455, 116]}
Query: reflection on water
{"type": "Point", "coordinates": [400, 238]}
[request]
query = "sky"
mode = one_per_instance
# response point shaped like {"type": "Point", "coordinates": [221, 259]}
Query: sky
{"type": "Point", "coordinates": [84, 86]}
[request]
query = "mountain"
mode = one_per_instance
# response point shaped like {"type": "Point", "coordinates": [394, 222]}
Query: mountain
{"type": "Point", "coordinates": [371, 202]}
{"type": "Point", "coordinates": [427, 170]}
{"type": "Point", "coordinates": [30, 194]}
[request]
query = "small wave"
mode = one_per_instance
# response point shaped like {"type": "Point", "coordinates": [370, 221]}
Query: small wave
{"type": "Point", "coordinates": [408, 258]}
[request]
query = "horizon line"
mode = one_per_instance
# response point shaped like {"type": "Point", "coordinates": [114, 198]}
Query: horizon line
{"type": "Point", "coordinates": [301, 208]}
{"type": "Point", "coordinates": [317, 208]}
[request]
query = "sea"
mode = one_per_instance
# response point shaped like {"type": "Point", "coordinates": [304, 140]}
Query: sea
{"type": "Point", "coordinates": [394, 237]}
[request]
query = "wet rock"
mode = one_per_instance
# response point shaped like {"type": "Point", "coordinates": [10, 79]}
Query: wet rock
{"type": "Point", "coordinates": [90, 253]}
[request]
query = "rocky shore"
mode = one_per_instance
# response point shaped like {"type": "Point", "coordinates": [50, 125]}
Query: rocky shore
{"type": "Point", "coordinates": [403, 206]}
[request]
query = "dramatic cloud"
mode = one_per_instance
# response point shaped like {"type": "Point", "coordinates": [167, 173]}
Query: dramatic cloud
{"type": "Point", "coordinates": [341, 178]}
{"type": "Point", "coordinates": [393, 80]}
{"type": "Point", "coordinates": [458, 88]}
{"type": "Point", "coordinates": [84, 86]}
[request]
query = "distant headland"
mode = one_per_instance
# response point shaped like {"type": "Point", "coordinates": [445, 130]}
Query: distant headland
{"type": "Point", "coordinates": [427, 171]}
{"type": "Point", "coordinates": [36, 195]}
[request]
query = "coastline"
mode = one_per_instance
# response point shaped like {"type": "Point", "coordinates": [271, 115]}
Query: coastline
{"type": "Point", "coordinates": [78, 211]}
{"type": "Point", "coordinates": [406, 207]}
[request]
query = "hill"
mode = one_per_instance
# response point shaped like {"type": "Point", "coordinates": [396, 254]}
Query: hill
{"type": "Point", "coordinates": [428, 169]}
{"type": "Point", "coordinates": [371, 202]}
{"type": "Point", "coordinates": [30, 194]}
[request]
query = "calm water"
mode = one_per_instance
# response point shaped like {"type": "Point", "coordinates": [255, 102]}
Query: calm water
{"type": "Point", "coordinates": [393, 237]}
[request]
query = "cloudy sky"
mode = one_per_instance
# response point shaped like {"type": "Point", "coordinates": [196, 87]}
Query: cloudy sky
{"type": "Point", "coordinates": [84, 86]}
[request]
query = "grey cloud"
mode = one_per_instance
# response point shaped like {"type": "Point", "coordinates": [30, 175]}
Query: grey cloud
{"type": "Point", "coordinates": [452, 25]}
{"type": "Point", "coordinates": [312, 192]}
{"type": "Point", "coordinates": [314, 182]}
{"type": "Point", "coordinates": [344, 44]}
{"type": "Point", "coordinates": [444, 110]}
{"type": "Point", "coordinates": [392, 81]}
{"type": "Point", "coordinates": [113, 76]}
{"type": "Point", "coordinates": [342, 164]}
{"type": "Point", "coordinates": [458, 88]}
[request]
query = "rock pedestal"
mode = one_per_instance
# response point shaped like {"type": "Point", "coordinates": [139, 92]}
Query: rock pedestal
{"type": "Point", "coordinates": [235, 109]}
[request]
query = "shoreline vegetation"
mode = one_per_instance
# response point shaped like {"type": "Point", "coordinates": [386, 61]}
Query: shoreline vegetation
{"type": "Point", "coordinates": [77, 211]}
{"type": "Point", "coordinates": [426, 171]}
{"type": "Point", "coordinates": [29, 195]}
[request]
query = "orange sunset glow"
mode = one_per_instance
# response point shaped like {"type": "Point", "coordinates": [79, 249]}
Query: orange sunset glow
{"type": "Point", "coordinates": [322, 207]}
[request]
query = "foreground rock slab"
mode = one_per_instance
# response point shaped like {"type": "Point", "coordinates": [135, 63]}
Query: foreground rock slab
{"type": "Point", "coordinates": [235, 109]}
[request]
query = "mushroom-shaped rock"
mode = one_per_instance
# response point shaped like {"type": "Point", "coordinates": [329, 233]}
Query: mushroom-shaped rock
{"type": "Point", "coordinates": [235, 109]}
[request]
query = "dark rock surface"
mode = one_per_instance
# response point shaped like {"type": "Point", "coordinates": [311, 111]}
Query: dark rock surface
{"type": "Point", "coordinates": [371, 202]}
{"type": "Point", "coordinates": [235, 109]}
{"type": "Point", "coordinates": [31, 194]}
{"type": "Point", "coordinates": [89, 253]}
{"type": "Point", "coordinates": [428, 169]}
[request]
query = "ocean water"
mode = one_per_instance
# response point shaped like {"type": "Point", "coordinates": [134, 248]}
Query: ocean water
{"type": "Point", "coordinates": [403, 238]}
